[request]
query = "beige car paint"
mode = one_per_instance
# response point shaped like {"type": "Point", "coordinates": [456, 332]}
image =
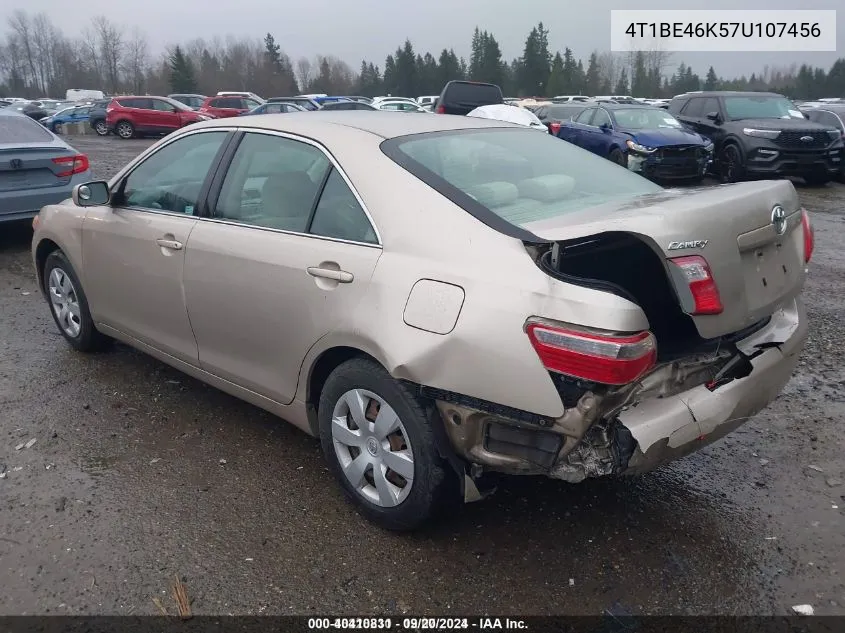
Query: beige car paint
{"type": "Point", "coordinates": [486, 355]}
{"type": "Point", "coordinates": [133, 283]}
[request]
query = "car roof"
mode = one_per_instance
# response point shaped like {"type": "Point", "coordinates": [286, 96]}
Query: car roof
{"type": "Point", "coordinates": [730, 93]}
{"type": "Point", "coordinates": [386, 125]}
{"type": "Point", "coordinates": [618, 106]}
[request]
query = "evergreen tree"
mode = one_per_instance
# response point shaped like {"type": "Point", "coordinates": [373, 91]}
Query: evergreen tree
{"type": "Point", "coordinates": [448, 69]}
{"type": "Point", "coordinates": [621, 85]}
{"type": "Point", "coordinates": [182, 76]}
{"type": "Point", "coordinates": [570, 73]}
{"type": "Point", "coordinates": [556, 84]}
{"type": "Point", "coordinates": [535, 65]}
{"type": "Point", "coordinates": [711, 82]}
{"type": "Point", "coordinates": [389, 80]}
{"type": "Point", "coordinates": [592, 78]}
{"type": "Point", "coordinates": [639, 76]}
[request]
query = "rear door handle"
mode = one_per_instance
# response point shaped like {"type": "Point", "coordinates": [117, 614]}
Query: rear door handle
{"type": "Point", "coordinates": [173, 245]}
{"type": "Point", "coordinates": [340, 276]}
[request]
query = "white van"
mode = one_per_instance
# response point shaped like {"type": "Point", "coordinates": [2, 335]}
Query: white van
{"type": "Point", "coordinates": [75, 94]}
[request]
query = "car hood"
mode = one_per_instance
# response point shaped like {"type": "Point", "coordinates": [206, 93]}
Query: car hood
{"type": "Point", "coordinates": [666, 136]}
{"type": "Point", "coordinates": [780, 124]}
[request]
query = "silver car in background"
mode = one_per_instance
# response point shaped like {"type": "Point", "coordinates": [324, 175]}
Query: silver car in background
{"type": "Point", "coordinates": [37, 168]}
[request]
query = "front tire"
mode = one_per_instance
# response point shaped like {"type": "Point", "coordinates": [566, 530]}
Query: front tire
{"type": "Point", "coordinates": [69, 305]}
{"type": "Point", "coordinates": [618, 157]}
{"type": "Point", "coordinates": [378, 439]}
{"type": "Point", "coordinates": [101, 128]}
{"type": "Point", "coordinates": [731, 164]}
{"type": "Point", "coordinates": [125, 130]}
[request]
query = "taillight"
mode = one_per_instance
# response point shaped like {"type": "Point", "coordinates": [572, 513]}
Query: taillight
{"type": "Point", "coordinates": [809, 235]}
{"type": "Point", "coordinates": [75, 165]}
{"type": "Point", "coordinates": [606, 359]}
{"type": "Point", "coordinates": [441, 109]}
{"type": "Point", "coordinates": [554, 128]}
{"type": "Point", "coordinates": [701, 284]}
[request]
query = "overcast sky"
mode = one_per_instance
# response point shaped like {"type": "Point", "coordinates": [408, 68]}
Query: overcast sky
{"type": "Point", "coordinates": [370, 29]}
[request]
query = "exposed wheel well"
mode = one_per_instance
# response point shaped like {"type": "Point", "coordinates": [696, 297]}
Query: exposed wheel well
{"type": "Point", "coordinates": [45, 247]}
{"type": "Point", "coordinates": [320, 371]}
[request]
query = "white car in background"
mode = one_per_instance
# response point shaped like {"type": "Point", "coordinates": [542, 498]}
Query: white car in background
{"type": "Point", "coordinates": [399, 105]}
{"type": "Point", "coordinates": [427, 100]}
{"type": "Point", "coordinates": [509, 114]}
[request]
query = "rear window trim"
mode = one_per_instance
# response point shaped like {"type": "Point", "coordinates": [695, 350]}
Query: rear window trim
{"type": "Point", "coordinates": [390, 148]}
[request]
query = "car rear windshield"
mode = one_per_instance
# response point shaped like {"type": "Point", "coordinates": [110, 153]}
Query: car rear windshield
{"type": "Point", "coordinates": [563, 111]}
{"type": "Point", "coordinates": [518, 175]}
{"type": "Point", "coordinates": [762, 107]}
{"type": "Point", "coordinates": [482, 94]}
{"type": "Point", "coordinates": [22, 129]}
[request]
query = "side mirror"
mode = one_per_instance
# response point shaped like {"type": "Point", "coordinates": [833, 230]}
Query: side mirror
{"type": "Point", "coordinates": [713, 116]}
{"type": "Point", "coordinates": [91, 194]}
{"type": "Point", "coordinates": [604, 127]}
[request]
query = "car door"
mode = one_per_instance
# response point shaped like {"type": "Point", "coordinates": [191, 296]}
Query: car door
{"type": "Point", "coordinates": [166, 119]}
{"type": "Point", "coordinates": [575, 130]}
{"type": "Point", "coordinates": [277, 265]}
{"type": "Point", "coordinates": [134, 249]}
{"type": "Point", "coordinates": [599, 136]}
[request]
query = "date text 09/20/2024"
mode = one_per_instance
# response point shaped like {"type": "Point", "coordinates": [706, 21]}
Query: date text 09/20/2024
{"type": "Point", "coordinates": [417, 624]}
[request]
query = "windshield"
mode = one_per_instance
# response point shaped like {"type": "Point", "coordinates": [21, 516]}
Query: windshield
{"type": "Point", "coordinates": [761, 108]}
{"type": "Point", "coordinates": [519, 175]}
{"type": "Point", "coordinates": [645, 119]}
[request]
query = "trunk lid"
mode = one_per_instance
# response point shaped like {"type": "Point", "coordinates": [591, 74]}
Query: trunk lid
{"type": "Point", "coordinates": [32, 167]}
{"type": "Point", "coordinates": [756, 269]}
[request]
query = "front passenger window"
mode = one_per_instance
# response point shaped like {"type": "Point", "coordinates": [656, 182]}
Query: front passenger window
{"type": "Point", "coordinates": [171, 178]}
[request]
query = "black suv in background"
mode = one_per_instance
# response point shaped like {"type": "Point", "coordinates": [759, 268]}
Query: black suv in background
{"type": "Point", "coordinates": [462, 97]}
{"type": "Point", "coordinates": [97, 117]}
{"type": "Point", "coordinates": [761, 134]}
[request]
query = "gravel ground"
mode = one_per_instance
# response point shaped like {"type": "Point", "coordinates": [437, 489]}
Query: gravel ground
{"type": "Point", "coordinates": [124, 489]}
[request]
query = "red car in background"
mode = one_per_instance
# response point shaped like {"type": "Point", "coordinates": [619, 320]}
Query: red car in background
{"type": "Point", "coordinates": [134, 116]}
{"type": "Point", "coordinates": [227, 106]}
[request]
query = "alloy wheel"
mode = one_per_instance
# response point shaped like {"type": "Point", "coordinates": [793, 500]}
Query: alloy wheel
{"type": "Point", "coordinates": [124, 130]}
{"type": "Point", "coordinates": [65, 302]}
{"type": "Point", "coordinates": [101, 128]}
{"type": "Point", "coordinates": [372, 447]}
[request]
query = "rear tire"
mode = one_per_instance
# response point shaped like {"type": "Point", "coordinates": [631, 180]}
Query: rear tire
{"type": "Point", "coordinates": [362, 458]}
{"type": "Point", "coordinates": [69, 305]}
{"type": "Point", "coordinates": [124, 129]}
{"type": "Point", "coordinates": [617, 156]}
{"type": "Point", "coordinates": [101, 128]}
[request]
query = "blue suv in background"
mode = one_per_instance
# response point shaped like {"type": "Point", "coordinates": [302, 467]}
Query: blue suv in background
{"type": "Point", "coordinates": [647, 140]}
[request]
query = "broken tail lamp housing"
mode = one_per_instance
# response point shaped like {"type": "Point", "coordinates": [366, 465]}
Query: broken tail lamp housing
{"type": "Point", "coordinates": [603, 358]}
{"type": "Point", "coordinates": [702, 286]}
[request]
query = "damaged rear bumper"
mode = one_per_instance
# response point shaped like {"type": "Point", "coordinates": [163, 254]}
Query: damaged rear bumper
{"type": "Point", "coordinates": [632, 432]}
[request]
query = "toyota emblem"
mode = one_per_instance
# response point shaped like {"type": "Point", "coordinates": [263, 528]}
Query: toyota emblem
{"type": "Point", "coordinates": [779, 219]}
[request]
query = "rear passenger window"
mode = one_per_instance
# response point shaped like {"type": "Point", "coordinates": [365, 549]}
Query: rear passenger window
{"type": "Point", "coordinates": [339, 215]}
{"type": "Point", "coordinates": [585, 116]}
{"type": "Point", "coordinates": [694, 108]}
{"type": "Point", "coordinates": [272, 182]}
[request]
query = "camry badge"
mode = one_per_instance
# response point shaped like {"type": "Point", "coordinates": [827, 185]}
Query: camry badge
{"type": "Point", "coordinates": [677, 246]}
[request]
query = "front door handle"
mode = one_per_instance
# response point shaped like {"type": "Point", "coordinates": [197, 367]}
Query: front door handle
{"type": "Point", "coordinates": [340, 276]}
{"type": "Point", "coordinates": [173, 245]}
